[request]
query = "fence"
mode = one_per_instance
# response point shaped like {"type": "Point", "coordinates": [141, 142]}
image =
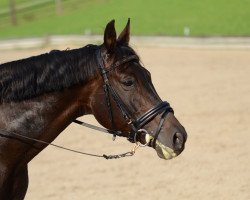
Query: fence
{"type": "Point", "coordinates": [14, 8]}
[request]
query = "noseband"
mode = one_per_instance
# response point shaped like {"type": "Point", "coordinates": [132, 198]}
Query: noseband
{"type": "Point", "coordinates": [137, 124]}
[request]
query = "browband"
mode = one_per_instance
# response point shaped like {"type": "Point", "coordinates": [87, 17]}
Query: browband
{"type": "Point", "coordinates": [120, 62]}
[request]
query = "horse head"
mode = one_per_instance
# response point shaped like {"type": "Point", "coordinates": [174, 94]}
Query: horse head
{"type": "Point", "coordinates": [125, 99]}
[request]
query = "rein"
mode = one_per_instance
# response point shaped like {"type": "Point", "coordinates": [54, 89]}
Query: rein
{"type": "Point", "coordinates": [7, 134]}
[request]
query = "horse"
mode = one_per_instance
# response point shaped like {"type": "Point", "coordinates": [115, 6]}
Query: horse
{"type": "Point", "coordinates": [41, 95]}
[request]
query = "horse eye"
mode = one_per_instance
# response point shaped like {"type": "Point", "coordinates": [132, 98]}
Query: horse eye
{"type": "Point", "coordinates": [128, 82]}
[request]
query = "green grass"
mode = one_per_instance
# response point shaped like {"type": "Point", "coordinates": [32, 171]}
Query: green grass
{"type": "Point", "coordinates": [158, 17]}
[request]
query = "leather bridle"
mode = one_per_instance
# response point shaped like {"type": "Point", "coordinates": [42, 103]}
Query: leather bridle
{"type": "Point", "coordinates": [162, 108]}
{"type": "Point", "coordinates": [136, 125]}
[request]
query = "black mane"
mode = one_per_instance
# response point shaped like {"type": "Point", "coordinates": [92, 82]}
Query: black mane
{"type": "Point", "coordinates": [49, 72]}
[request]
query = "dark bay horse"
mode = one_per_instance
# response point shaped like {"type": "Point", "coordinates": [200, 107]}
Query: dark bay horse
{"type": "Point", "coordinates": [41, 95]}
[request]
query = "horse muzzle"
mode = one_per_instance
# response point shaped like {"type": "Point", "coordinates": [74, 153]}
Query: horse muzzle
{"type": "Point", "coordinates": [171, 150]}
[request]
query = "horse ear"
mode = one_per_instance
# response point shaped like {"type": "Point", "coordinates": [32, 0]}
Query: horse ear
{"type": "Point", "coordinates": [110, 36]}
{"type": "Point", "coordinates": [125, 34]}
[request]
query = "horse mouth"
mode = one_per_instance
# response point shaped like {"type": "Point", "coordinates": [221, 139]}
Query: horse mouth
{"type": "Point", "coordinates": [164, 152]}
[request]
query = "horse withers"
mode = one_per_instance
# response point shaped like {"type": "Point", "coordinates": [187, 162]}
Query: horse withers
{"type": "Point", "coordinates": [41, 95]}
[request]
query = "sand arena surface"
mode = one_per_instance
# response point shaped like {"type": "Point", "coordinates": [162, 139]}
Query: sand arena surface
{"type": "Point", "coordinates": [210, 92]}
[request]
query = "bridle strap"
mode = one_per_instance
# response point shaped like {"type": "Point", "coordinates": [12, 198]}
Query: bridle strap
{"type": "Point", "coordinates": [158, 130]}
{"type": "Point", "coordinates": [120, 62]}
{"type": "Point", "coordinates": [97, 128]}
{"type": "Point", "coordinates": [150, 114]}
{"type": "Point", "coordinates": [110, 91]}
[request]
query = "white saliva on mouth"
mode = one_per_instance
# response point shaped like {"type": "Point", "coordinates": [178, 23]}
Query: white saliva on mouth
{"type": "Point", "coordinates": [167, 152]}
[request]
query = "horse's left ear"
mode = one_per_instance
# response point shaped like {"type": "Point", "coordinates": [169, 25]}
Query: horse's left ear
{"type": "Point", "coordinates": [125, 34]}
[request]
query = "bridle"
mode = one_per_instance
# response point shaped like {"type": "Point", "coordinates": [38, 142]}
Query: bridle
{"type": "Point", "coordinates": [162, 108]}
{"type": "Point", "coordinates": [136, 124]}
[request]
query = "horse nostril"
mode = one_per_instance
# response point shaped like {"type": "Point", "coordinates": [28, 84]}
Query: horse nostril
{"type": "Point", "coordinates": [178, 141]}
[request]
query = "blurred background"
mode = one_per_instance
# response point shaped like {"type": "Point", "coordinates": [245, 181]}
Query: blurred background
{"type": "Point", "coordinates": [29, 18]}
{"type": "Point", "coordinates": [198, 53]}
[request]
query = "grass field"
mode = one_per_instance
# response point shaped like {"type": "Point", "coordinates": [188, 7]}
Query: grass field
{"type": "Point", "coordinates": [161, 17]}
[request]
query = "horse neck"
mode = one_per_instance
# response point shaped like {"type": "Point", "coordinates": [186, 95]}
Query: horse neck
{"type": "Point", "coordinates": [60, 106]}
{"type": "Point", "coordinates": [68, 105]}
{"type": "Point", "coordinates": [45, 116]}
